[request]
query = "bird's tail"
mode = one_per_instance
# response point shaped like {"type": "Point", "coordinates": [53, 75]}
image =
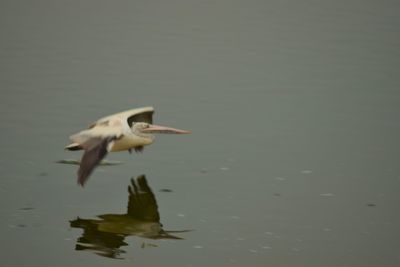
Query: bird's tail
{"type": "Point", "coordinates": [74, 147]}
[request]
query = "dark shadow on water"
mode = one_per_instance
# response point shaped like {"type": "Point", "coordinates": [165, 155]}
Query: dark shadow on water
{"type": "Point", "coordinates": [105, 236]}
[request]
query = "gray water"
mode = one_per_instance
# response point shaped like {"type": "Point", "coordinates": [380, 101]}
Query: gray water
{"type": "Point", "coordinates": [294, 108]}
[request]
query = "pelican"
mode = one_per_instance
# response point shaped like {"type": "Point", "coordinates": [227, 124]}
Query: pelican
{"type": "Point", "coordinates": [127, 130]}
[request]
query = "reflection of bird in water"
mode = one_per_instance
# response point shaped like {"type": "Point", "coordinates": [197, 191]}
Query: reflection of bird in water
{"type": "Point", "coordinates": [106, 235]}
{"type": "Point", "coordinates": [126, 130]}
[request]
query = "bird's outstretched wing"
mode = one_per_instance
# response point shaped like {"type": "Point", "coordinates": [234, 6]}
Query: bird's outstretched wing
{"type": "Point", "coordinates": [144, 114]}
{"type": "Point", "coordinates": [95, 150]}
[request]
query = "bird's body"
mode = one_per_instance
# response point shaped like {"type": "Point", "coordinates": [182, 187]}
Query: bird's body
{"type": "Point", "coordinates": [126, 130]}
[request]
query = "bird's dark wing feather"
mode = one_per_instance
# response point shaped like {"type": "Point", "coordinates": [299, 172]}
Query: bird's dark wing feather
{"type": "Point", "coordinates": [146, 116]}
{"type": "Point", "coordinates": [95, 151]}
{"type": "Point", "coordinates": [142, 203]}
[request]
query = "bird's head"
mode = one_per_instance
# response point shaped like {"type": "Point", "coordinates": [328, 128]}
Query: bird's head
{"type": "Point", "coordinates": [146, 130]}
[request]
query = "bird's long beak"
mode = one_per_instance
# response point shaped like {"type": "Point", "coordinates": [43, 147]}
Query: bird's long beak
{"type": "Point", "coordinates": [163, 129]}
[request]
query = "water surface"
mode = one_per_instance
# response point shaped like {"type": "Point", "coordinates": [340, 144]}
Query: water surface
{"type": "Point", "coordinates": [294, 109]}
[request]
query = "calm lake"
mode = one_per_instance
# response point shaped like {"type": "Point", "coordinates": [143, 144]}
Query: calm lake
{"type": "Point", "coordinates": [293, 159]}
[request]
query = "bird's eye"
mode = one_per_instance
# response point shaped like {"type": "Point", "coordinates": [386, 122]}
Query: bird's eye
{"type": "Point", "coordinates": [140, 125]}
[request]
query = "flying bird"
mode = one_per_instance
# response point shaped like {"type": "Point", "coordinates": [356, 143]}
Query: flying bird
{"type": "Point", "coordinates": [127, 130]}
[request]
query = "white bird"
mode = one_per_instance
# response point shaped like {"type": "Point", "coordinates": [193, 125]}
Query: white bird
{"type": "Point", "coordinates": [127, 130]}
